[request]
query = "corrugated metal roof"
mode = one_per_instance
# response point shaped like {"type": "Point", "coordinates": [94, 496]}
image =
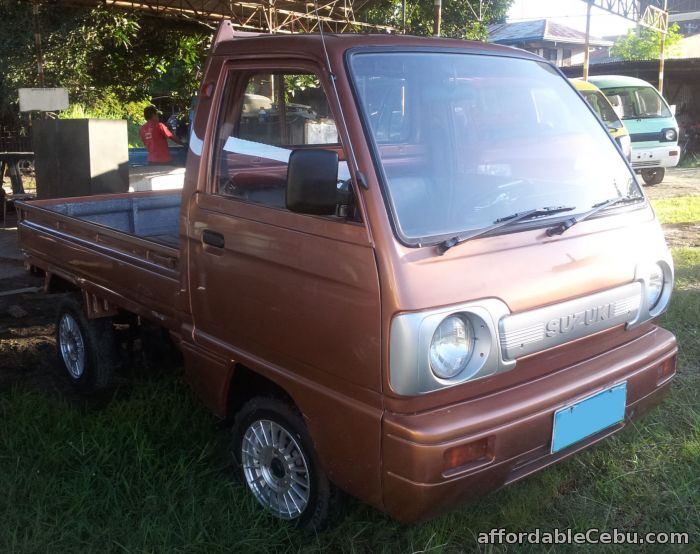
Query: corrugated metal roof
{"type": "Point", "coordinates": [539, 30]}
{"type": "Point", "coordinates": [669, 62]}
{"type": "Point", "coordinates": [522, 31]}
{"type": "Point", "coordinates": [686, 70]}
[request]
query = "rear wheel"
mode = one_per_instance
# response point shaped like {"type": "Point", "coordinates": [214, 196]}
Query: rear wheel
{"type": "Point", "coordinates": [653, 176]}
{"type": "Point", "coordinates": [86, 347]}
{"type": "Point", "coordinates": [276, 461]}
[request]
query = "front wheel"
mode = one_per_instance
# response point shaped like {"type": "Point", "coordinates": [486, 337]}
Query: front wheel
{"type": "Point", "coordinates": [276, 460]}
{"type": "Point", "coordinates": [653, 176]}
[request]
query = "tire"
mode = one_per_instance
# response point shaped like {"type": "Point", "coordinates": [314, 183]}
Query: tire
{"type": "Point", "coordinates": [653, 176]}
{"type": "Point", "coordinates": [26, 167]}
{"type": "Point", "coordinates": [86, 347]}
{"type": "Point", "coordinates": [266, 467]}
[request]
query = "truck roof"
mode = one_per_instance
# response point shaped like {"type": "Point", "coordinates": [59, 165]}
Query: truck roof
{"type": "Point", "coordinates": [580, 84]}
{"type": "Point", "coordinates": [612, 81]}
{"type": "Point", "coordinates": [228, 41]}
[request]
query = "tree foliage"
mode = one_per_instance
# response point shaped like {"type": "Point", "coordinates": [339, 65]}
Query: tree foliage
{"type": "Point", "coordinates": [465, 19]}
{"type": "Point", "coordinates": [645, 44]}
{"type": "Point", "coordinates": [105, 58]}
{"type": "Point", "coordinates": [112, 61]}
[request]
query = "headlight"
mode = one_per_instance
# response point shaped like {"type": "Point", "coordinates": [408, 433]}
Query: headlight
{"type": "Point", "coordinates": [656, 281]}
{"type": "Point", "coordinates": [670, 134]}
{"type": "Point", "coordinates": [655, 286]}
{"type": "Point", "coordinates": [451, 347]}
{"type": "Point", "coordinates": [443, 347]}
{"type": "Point", "coordinates": [625, 145]}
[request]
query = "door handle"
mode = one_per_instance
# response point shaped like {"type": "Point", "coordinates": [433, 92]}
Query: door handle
{"type": "Point", "coordinates": [212, 238]}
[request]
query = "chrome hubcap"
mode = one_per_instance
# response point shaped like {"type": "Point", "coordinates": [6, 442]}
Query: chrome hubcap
{"type": "Point", "coordinates": [71, 345]}
{"type": "Point", "coordinates": [275, 469]}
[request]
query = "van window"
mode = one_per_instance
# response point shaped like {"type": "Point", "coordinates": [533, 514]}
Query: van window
{"type": "Point", "coordinates": [651, 104]}
{"type": "Point", "coordinates": [602, 107]}
{"type": "Point", "coordinates": [278, 113]}
{"type": "Point", "coordinates": [637, 102]}
{"type": "Point", "coordinates": [462, 140]}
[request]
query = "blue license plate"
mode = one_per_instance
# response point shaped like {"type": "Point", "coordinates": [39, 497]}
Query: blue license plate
{"type": "Point", "coordinates": [588, 416]}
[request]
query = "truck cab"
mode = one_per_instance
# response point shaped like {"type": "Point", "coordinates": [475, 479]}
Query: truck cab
{"type": "Point", "coordinates": [605, 112]}
{"type": "Point", "coordinates": [650, 121]}
{"type": "Point", "coordinates": [405, 280]}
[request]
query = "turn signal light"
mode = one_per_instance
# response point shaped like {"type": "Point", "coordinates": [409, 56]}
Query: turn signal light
{"type": "Point", "coordinates": [458, 456]}
{"type": "Point", "coordinates": [666, 370]}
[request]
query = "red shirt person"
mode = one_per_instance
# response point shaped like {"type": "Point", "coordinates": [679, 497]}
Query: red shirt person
{"type": "Point", "coordinates": [154, 136]}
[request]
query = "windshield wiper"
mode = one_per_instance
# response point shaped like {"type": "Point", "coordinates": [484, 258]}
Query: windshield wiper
{"type": "Point", "coordinates": [506, 221]}
{"type": "Point", "coordinates": [567, 224]}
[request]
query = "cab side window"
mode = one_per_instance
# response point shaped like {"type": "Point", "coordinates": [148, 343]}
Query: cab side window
{"type": "Point", "coordinates": [263, 117]}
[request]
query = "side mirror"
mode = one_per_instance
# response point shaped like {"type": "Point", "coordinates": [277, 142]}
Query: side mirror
{"type": "Point", "coordinates": [672, 107]}
{"type": "Point", "coordinates": [312, 182]}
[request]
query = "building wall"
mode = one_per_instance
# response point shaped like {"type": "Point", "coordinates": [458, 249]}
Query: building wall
{"type": "Point", "coordinates": [561, 55]}
{"type": "Point", "coordinates": [688, 23]}
{"type": "Point", "coordinates": [577, 59]}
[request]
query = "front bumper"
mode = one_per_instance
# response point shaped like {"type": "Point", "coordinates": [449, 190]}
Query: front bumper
{"type": "Point", "coordinates": [516, 424]}
{"type": "Point", "coordinates": [657, 156]}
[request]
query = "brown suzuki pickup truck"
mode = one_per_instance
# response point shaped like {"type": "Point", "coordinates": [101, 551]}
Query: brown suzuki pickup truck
{"type": "Point", "coordinates": [410, 269]}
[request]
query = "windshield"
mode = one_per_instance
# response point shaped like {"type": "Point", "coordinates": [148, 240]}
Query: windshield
{"type": "Point", "coordinates": [462, 140]}
{"type": "Point", "coordinates": [637, 102]}
{"type": "Point", "coordinates": [602, 107]}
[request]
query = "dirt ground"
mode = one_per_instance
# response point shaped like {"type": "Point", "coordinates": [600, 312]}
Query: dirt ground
{"type": "Point", "coordinates": [679, 182]}
{"type": "Point", "coordinates": [683, 234]}
{"type": "Point", "coordinates": [27, 346]}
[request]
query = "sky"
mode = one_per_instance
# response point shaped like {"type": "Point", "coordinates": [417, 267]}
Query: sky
{"type": "Point", "coordinates": [571, 13]}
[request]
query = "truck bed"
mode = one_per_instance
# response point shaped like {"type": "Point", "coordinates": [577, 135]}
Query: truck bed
{"type": "Point", "coordinates": [153, 218]}
{"type": "Point", "coordinates": [123, 247]}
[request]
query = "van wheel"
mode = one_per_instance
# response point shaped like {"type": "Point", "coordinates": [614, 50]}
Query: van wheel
{"type": "Point", "coordinates": [86, 347]}
{"type": "Point", "coordinates": [275, 459]}
{"type": "Point", "coordinates": [653, 176]}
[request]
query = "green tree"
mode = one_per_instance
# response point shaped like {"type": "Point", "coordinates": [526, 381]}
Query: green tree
{"type": "Point", "coordinates": [465, 19]}
{"type": "Point", "coordinates": [108, 59]}
{"type": "Point", "coordinates": [645, 44]}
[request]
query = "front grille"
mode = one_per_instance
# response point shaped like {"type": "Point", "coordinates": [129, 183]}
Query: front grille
{"type": "Point", "coordinates": [645, 164]}
{"type": "Point", "coordinates": [642, 137]}
{"type": "Point", "coordinates": [536, 330]}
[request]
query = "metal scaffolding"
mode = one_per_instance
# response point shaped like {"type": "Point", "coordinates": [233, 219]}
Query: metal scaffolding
{"type": "Point", "coordinates": [647, 13]}
{"type": "Point", "coordinates": [273, 16]}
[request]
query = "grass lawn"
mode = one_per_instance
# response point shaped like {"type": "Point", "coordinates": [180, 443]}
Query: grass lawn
{"type": "Point", "coordinates": [148, 472]}
{"type": "Point", "coordinates": [680, 209]}
{"type": "Point", "coordinates": [690, 161]}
